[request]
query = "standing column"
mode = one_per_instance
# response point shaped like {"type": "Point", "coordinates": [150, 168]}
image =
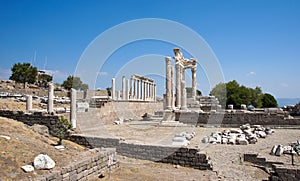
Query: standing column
{"type": "Point", "coordinates": [73, 108]}
{"type": "Point", "coordinates": [154, 92]}
{"type": "Point", "coordinates": [178, 84]}
{"type": "Point", "coordinates": [168, 82]}
{"type": "Point", "coordinates": [127, 90]}
{"type": "Point", "coordinates": [113, 88]}
{"type": "Point", "coordinates": [119, 95]}
{"type": "Point", "coordinates": [134, 88]}
{"type": "Point", "coordinates": [183, 90]}
{"type": "Point", "coordinates": [131, 89]}
{"type": "Point", "coordinates": [145, 90]}
{"type": "Point", "coordinates": [50, 98]}
{"type": "Point", "coordinates": [138, 89]}
{"type": "Point", "coordinates": [172, 87]}
{"type": "Point", "coordinates": [29, 102]}
{"type": "Point", "coordinates": [194, 83]}
{"type": "Point", "coordinates": [123, 88]}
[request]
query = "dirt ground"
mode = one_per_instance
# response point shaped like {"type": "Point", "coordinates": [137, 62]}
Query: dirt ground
{"type": "Point", "coordinates": [227, 160]}
{"type": "Point", "coordinates": [24, 145]}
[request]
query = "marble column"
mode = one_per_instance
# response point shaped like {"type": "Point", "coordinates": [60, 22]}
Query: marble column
{"type": "Point", "coordinates": [194, 83]}
{"type": "Point", "coordinates": [178, 83]}
{"type": "Point", "coordinates": [123, 88]}
{"type": "Point", "coordinates": [113, 88]}
{"type": "Point", "coordinates": [73, 108]}
{"type": "Point", "coordinates": [138, 89]}
{"type": "Point", "coordinates": [127, 90]}
{"type": "Point", "coordinates": [118, 95]}
{"type": "Point", "coordinates": [183, 90]}
{"type": "Point", "coordinates": [172, 87]}
{"type": "Point", "coordinates": [29, 102]}
{"type": "Point", "coordinates": [145, 91]}
{"type": "Point", "coordinates": [168, 82]}
{"type": "Point", "coordinates": [50, 98]}
{"type": "Point", "coordinates": [154, 92]}
{"type": "Point", "coordinates": [134, 89]}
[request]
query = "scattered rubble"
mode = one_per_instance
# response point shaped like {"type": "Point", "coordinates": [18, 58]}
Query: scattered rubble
{"type": "Point", "coordinates": [244, 135]}
{"type": "Point", "coordinates": [5, 137]}
{"type": "Point", "coordinates": [43, 162]}
{"type": "Point", "coordinates": [27, 168]}
{"type": "Point", "coordinates": [293, 148]}
{"type": "Point", "coordinates": [60, 147]}
{"type": "Point", "coordinates": [182, 139]}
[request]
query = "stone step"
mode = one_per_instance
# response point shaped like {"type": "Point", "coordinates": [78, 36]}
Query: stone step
{"type": "Point", "coordinates": [172, 124]}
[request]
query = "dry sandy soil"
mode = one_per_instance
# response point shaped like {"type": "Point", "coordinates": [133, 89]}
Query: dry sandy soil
{"type": "Point", "coordinates": [24, 145]}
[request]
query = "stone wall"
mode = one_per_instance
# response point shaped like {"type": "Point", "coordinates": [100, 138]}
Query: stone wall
{"type": "Point", "coordinates": [280, 171]}
{"type": "Point", "coordinates": [89, 167]}
{"type": "Point", "coordinates": [188, 157]}
{"type": "Point", "coordinates": [286, 173]}
{"type": "Point", "coordinates": [234, 119]}
{"type": "Point", "coordinates": [112, 111]}
{"type": "Point", "coordinates": [51, 121]}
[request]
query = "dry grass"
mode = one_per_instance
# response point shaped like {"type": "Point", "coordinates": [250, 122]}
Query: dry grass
{"type": "Point", "coordinates": [24, 145]}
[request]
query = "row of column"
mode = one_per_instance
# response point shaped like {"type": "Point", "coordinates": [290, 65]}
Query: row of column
{"type": "Point", "coordinates": [180, 89]}
{"type": "Point", "coordinates": [134, 89]}
{"type": "Point", "coordinates": [50, 103]}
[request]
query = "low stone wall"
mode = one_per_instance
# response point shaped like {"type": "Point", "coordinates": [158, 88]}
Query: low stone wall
{"type": "Point", "coordinates": [51, 121]}
{"type": "Point", "coordinates": [188, 157]}
{"type": "Point", "coordinates": [114, 110]}
{"type": "Point", "coordinates": [286, 173]}
{"type": "Point", "coordinates": [234, 119]}
{"type": "Point", "coordinates": [90, 167]}
{"type": "Point", "coordinates": [280, 171]}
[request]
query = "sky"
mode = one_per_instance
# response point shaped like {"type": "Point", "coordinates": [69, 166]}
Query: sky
{"type": "Point", "coordinates": [254, 42]}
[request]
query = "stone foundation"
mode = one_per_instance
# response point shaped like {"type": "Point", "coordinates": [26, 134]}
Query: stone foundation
{"type": "Point", "coordinates": [235, 119]}
{"type": "Point", "coordinates": [90, 167]}
{"type": "Point", "coordinates": [188, 157]}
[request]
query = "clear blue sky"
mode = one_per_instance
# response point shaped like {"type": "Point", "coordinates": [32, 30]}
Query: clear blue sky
{"type": "Point", "coordinates": [256, 42]}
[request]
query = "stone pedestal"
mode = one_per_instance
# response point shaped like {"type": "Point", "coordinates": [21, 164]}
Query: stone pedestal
{"type": "Point", "coordinates": [50, 98]}
{"type": "Point", "coordinates": [73, 108]}
{"type": "Point", "coordinates": [28, 103]}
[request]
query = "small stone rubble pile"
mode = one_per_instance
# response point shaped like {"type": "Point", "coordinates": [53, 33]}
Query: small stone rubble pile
{"type": "Point", "coordinates": [293, 148]}
{"type": "Point", "coordinates": [182, 139]}
{"type": "Point", "coordinates": [244, 135]}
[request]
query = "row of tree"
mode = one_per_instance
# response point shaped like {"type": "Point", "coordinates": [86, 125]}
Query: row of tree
{"type": "Point", "coordinates": [235, 94]}
{"type": "Point", "coordinates": [26, 73]}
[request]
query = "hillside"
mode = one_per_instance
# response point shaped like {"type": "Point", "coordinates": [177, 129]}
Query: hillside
{"type": "Point", "coordinates": [22, 147]}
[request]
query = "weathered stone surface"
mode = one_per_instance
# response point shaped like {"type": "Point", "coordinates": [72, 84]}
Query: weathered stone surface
{"type": "Point", "coordinates": [273, 150]}
{"type": "Point", "coordinates": [43, 162]}
{"type": "Point", "coordinates": [28, 168]}
{"type": "Point", "coordinates": [42, 129]}
{"type": "Point", "coordinates": [279, 150]}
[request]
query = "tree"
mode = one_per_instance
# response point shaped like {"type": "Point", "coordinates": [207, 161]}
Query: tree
{"type": "Point", "coordinates": [108, 89]}
{"type": "Point", "coordinates": [43, 79]}
{"type": "Point", "coordinates": [268, 101]}
{"type": "Point", "coordinates": [235, 94]}
{"type": "Point", "coordinates": [189, 91]}
{"type": "Point", "coordinates": [74, 82]}
{"type": "Point", "coordinates": [65, 126]}
{"type": "Point", "coordinates": [23, 73]}
{"type": "Point", "coordinates": [219, 91]}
